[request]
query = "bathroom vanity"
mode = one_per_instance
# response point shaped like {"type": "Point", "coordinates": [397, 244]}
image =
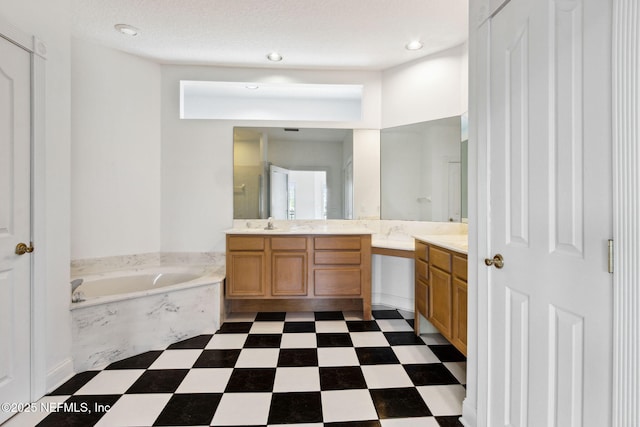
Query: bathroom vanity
{"type": "Point", "coordinates": [441, 286]}
{"type": "Point", "coordinates": [271, 270]}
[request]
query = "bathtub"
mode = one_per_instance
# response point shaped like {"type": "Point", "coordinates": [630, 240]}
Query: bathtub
{"type": "Point", "coordinates": [127, 312]}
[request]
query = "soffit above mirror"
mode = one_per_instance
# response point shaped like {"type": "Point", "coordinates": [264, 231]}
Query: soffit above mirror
{"type": "Point", "coordinates": [270, 101]}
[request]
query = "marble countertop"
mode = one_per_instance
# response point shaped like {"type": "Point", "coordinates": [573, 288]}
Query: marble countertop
{"type": "Point", "coordinates": [454, 242]}
{"type": "Point", "coordinates": [300, 230]}
{"type": "Point", "coordinates": [378, 241]}
{"type": "Point", "coordinates": [385, 234]}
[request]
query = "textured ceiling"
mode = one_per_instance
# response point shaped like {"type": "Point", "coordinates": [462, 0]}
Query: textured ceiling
{"type": "Point", "coordinates": [326, 34]}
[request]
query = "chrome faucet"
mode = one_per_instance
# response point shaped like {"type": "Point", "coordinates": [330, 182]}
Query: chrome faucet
{"type": "Point", "coordinates": [77, 296]}
{"type": "Point", "coordinates": [74, 284]}
{"type": "Point", "coordinates": [269, 224]}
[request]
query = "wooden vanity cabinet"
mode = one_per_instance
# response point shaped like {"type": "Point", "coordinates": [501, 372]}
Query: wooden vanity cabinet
{"type": "Point", "coordinates": [305, 270]}
{"type": "Point", "coordinates": [441, 291]}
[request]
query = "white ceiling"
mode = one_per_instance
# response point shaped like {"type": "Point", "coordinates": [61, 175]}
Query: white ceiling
{"type": "Point", "coordinates": [312, 34]}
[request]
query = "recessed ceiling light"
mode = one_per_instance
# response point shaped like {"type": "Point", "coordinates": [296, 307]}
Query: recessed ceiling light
{"type": "Point", "coordinates": [274, 56]}
{"type": "Point", "coordinates": [127, 29]}
{"type": "Point", "coordinates": [252, 86]}
{"type": "Point", "coordinates": [414, 45]}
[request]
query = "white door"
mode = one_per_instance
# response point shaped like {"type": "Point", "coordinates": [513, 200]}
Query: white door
{"type": "Point", "coordinates": [550, 214]}
{"type": "Point", "coordinates": [279, 192]}
{"type": "Point", "coordinates": [15, 218]}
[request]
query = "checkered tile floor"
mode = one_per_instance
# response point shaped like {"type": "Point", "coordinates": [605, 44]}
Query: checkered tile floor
{"type": "Point", "coordinates": [312, 369]}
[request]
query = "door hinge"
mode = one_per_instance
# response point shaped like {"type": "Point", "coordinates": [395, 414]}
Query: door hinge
{"type": "Point", "coordinates": [610, 245]}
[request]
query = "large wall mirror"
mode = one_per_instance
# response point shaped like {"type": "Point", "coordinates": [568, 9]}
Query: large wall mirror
{"type": "Point", "coordinates": [423, 171]}
{"type": "Point", "coordinates": [292, 173]}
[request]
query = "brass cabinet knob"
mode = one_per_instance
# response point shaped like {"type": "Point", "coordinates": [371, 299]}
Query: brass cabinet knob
{"type": "Point", "coordinates": [22, 248]}
{"type": "Point", "coordinates": [497, 261]}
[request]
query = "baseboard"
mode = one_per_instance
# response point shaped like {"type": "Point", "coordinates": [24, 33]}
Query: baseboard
{"type": "Point", "coordinates": [58, 375]}
{"type": "Point", "coordinates": [469, 418]}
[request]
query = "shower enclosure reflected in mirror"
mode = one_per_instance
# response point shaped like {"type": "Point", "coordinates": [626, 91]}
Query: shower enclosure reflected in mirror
{"type": "Point", "coordinates": [422, 172]}
{"type": "Point", "coordinates": [292, 173]}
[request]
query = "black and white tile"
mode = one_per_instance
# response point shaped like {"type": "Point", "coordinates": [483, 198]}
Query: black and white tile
{"type": "Point", "coordinates": [264, 369]}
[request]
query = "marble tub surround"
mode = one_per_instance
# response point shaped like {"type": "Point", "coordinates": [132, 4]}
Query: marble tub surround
{"type": "Point", "coordinates": [200, 275]}
{"type": "Point", "coordinates": [108, 332]}
{"type": "Point", "coordinates": [112, 327]}
{"type": "Point", "coordinates": [80, 267]}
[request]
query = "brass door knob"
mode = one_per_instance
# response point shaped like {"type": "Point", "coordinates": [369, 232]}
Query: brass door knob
{"type": "Point", "coordinates": [22, 248]}
{"type": "Point", "coordinates": [497, 261]}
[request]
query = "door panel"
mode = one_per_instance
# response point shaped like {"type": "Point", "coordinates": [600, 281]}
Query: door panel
{"type": "Point", "coordinates": [440, 309]}
{"type": "Point", "coordinates": [15, 211]}
{"type": "Point", "coordinates": [289, 273]}
{"type": "Point", "coordinates": [279, 192]}
{"type": "Point", "coordinates": [549, 214]}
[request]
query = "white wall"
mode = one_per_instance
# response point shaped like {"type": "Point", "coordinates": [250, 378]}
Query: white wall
{"type": "Point", "coordinates": [115, 152]}
{"type": "Point", "coordinates": [197, 155]}
{"type": "Point", "coordinates": [50, 21]}
{"type": "Point", "coordinates": [426, 89]}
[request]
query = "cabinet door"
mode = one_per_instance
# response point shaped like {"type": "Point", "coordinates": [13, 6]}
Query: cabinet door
{"type": "Point", "coordinates": [288, 273]}
{"type": "Point", "coordinates": [245, 274]}
{"type": "Point", "coordinates": [459, 338]}
{"type": "Point", "coordinates": [422, 294]}
{"type": "Point", "coordinates": [440, 310]}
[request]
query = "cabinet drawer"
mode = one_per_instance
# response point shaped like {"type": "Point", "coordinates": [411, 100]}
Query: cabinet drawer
{"type": "Point", "coordinates": [245, 243]}
{"type": "Point", "coordinates": [337, 282]}
{"type": "Point", "coordinates": [337, 258]}
{"type": "Point", "coordinates": [422, 292]}
{"type": "Point", "coordinates": [422, 270]}
{"type": "Point", "coordinates": [440, 258]}
{"type": "Point", "coordinates": [337, 243]}
{"type": "Point", "coordinates": [422, 251]}
{"type": "Point", "coordinates": [289, 243]}
{"type": "Point", "coordinates": [460, 267]}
